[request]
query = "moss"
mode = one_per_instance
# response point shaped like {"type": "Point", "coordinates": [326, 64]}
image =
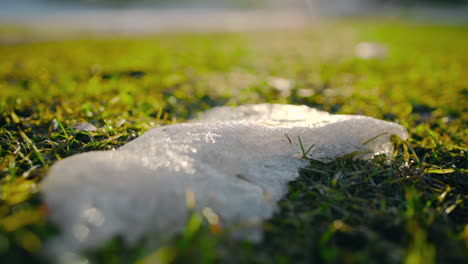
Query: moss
{"type": "Point", "coordinates": [411, 210]}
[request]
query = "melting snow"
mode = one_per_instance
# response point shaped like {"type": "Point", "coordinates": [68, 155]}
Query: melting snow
{"type": "Point", "coordinates": [237, 162]}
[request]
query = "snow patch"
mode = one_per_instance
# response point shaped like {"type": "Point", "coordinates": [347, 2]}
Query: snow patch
{"type": "Point", "coordinates": [237, 162]}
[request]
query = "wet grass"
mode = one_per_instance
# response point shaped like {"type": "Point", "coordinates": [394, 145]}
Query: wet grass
{"type": "Point", "coordinates": [411, 210]}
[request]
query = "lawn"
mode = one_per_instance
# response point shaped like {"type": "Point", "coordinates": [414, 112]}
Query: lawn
{"type": "Point", "coordinates": [412, 210]}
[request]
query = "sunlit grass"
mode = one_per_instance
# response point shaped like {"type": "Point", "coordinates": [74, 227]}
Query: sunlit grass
{"type": "Point", "coordinates": [411, 210]}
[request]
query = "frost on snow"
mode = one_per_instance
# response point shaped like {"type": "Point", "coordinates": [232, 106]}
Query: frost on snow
{"type": "Point", "coordinates": [237, 161]}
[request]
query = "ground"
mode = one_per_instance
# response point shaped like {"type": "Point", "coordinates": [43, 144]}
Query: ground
{"type": "Point", "coordinates": [412, 209]}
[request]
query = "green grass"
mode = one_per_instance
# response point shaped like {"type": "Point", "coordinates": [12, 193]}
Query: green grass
{"type": "Point", "coordinates": [411, 210]}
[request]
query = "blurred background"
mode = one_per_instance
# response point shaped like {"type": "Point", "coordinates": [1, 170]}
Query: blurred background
{"type": "Point", "coordinates": [136, 16]}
